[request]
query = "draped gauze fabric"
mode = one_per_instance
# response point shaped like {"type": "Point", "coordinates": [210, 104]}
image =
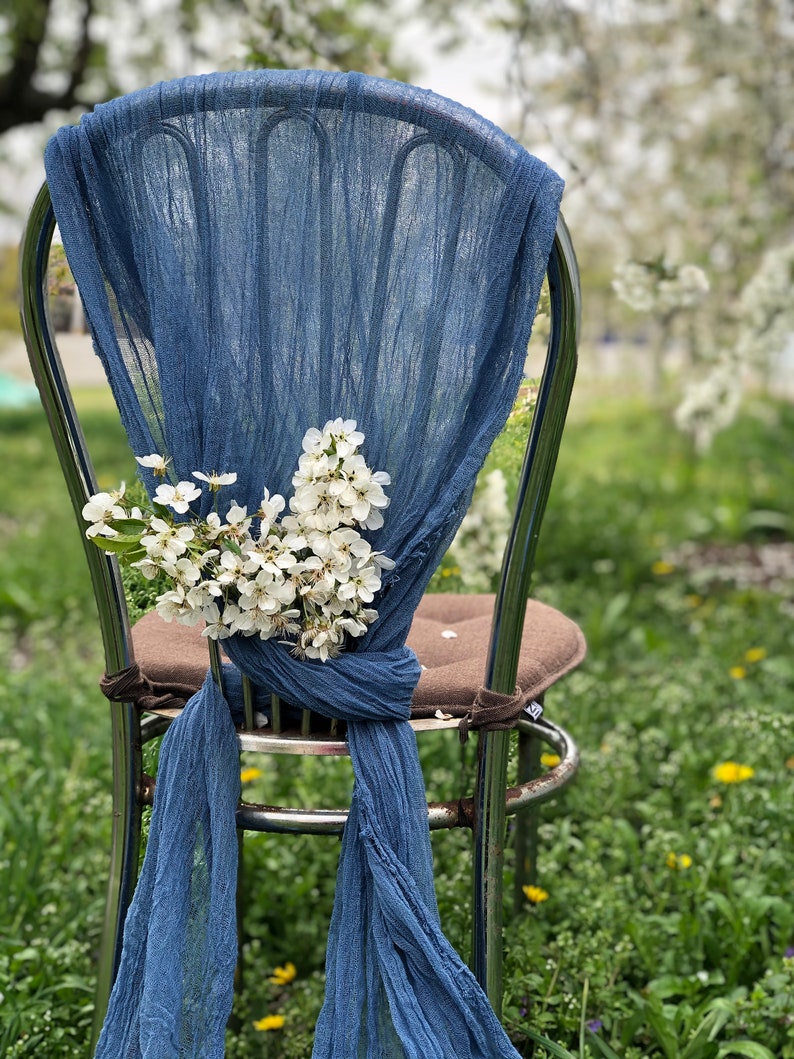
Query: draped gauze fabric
{"type": "Point", "coordinates": [258, 253]}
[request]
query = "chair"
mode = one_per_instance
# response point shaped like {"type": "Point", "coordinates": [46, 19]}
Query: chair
{"type": "Point", "coordinates": [502, 644]}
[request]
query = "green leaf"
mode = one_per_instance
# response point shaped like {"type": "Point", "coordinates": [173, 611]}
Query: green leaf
{"type": "Point", "coordinates": [604, 1048]}
{"type": "Point", "coordinates": [749, 1049]}
{"type": "Point", "coordinates": [121, 543]}
{"type": "Point", "coordinates": [662, 1027]}
{"type": "Point", "coordinates": [550, 1046]}
{"type": "Point", "coordinates": [130, 525]}
{"type": "Point", "coordinates": [718, 1012]}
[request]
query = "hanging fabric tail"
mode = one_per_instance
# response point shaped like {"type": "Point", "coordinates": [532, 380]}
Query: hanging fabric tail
{"type": "Point", "coordinates": [173, 993]}
{"type": "Point", "coordinates": [419, 998]}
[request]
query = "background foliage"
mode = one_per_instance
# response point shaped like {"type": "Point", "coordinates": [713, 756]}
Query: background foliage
{"type": "Point", "coordinates": [652, 953]}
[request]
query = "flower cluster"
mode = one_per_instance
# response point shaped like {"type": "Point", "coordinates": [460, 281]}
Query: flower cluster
{"type": "Point", "coordinates": [710, 403]}
{"type": "Point", "coordinates": [306, 577]}
{"type": "Point", "coordinates": [766, 310]}
{"type": "Point", "coordinates": [658, 286]}
{"type": "Point", "coordinates": [478, 548]}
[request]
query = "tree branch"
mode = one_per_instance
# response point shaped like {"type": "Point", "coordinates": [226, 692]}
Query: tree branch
{"type": "Point", "coordinates": [21, 103]}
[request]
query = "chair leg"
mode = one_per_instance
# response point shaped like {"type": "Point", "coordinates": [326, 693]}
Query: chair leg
{"type": "Point", "coordinates": [124, 854]}
{"type": "Point", "coordinates": [489, 836]}
{"type": "Point", "coordinates": [526, 820]}
{"type": "Point", "coordinates": [241, 903]}
{"type": "Point", "coordinates": [234, 1024]}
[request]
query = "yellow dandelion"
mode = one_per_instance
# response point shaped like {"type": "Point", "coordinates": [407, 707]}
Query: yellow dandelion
{"type": "Point", "coordinates": [737, 672]}
{"type": "Point", "coordinates": [790, 762]}
{"type": "Point", "coordinates": [661, 568]}
{"type": "Point", "coordinates": [550, 760]}
{"type": "Point", "coordinates": [283, 975]}
{"type": "Point", "coordinates": [731, 772]}
{"type": "Point", "coordinates": [755, 654]}
{"type": "Point", "coordinates": [678, 861]}
{"type": "Point", "coordinates": [270, 1022]}
{"type": "Point", "coordinates": [535, 894]}
{"type": "Point", "coordinates": [249, 774]}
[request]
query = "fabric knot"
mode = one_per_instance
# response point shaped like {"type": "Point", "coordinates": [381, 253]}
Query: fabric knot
{"type": "Point", "coordinates": [492, 712]}
{"type": "Point", "coordinates": [131, 685]}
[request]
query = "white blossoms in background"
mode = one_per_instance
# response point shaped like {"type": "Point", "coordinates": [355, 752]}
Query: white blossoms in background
{"type": "Point", "coordinates": [475, 555]}
{"type": "Point", "coordinates": [306, 577]}
{"type": "Point", "coordinates": [659, 286]}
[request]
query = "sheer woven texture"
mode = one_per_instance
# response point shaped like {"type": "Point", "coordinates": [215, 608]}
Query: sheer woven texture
{"type": "Point", "coordinates": [258, 253]}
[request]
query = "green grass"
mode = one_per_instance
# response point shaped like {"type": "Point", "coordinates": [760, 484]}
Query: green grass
{"type": "Point", "coordinates": [673, 962]}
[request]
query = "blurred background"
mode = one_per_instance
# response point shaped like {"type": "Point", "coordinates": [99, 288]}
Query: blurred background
{"type": "Point", "coordinates": [670, 121]}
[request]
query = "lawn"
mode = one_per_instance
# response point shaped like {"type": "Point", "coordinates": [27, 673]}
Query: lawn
{"type": "Point", "coordinates": [668, 916]}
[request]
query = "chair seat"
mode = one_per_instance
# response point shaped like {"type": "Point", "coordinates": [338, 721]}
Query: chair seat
{"type": "Point", "coordinates": [450, 635]}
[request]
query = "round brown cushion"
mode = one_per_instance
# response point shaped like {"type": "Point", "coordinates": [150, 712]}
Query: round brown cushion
{"type": "Point", "coordinates": [453, 667]}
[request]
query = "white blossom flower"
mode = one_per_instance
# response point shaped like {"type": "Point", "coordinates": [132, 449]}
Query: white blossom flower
{"type": "Point", "coordinates": [216, 627]}
{"type": "Point", "coordinates": [204, 593]}
{"type": "Point", "coordinates": [260, 593]}
{"type": "Point", "coordinates": [182, 572]}
{"type": "Point", "coordinates": [648, 286]}
{"type": "Point", "coordinates": [178, 497]}
{"type": "Point", "coordinates": [101, 509]}
{"type": "Point", "coordinates": [287, 622]}
{"type": "Point", "coordinates": [156, 463]}
{"type": "Point", "coordinates": [148, 568]}
{"type": "Point", "coordinates": [174, 606]}
{"type": "Point", "coordinates": [239, 520]}
{"type": "Point", "coordinates": [167, 542]}
{"type": "Point", "coordinates": [313, 441]}
{"type": "Point", "coordinates": [216, 481]}
{"type": "Point", "coordinates": [270, 554]}
{"type": "Point", "coordinates": [269, 510]}
{"type": "Point", "coordinates": [314, 466]}
{"type": "Point", "coordinates": [230, 568]}
{"type": "Point", "coordinates": [344, 437]}
{"type": "Point", "coordinates": [362, 584]}
{"type": "Point", "coordinates": [323, 642]}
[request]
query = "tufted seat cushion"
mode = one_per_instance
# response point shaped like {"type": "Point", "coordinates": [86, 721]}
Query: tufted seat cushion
{"type": "Point", "coordinates": [453, 665]}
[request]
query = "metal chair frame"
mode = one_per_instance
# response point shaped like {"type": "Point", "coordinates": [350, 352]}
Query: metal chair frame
{"type": "Point", "coordinates": [485, 813]}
